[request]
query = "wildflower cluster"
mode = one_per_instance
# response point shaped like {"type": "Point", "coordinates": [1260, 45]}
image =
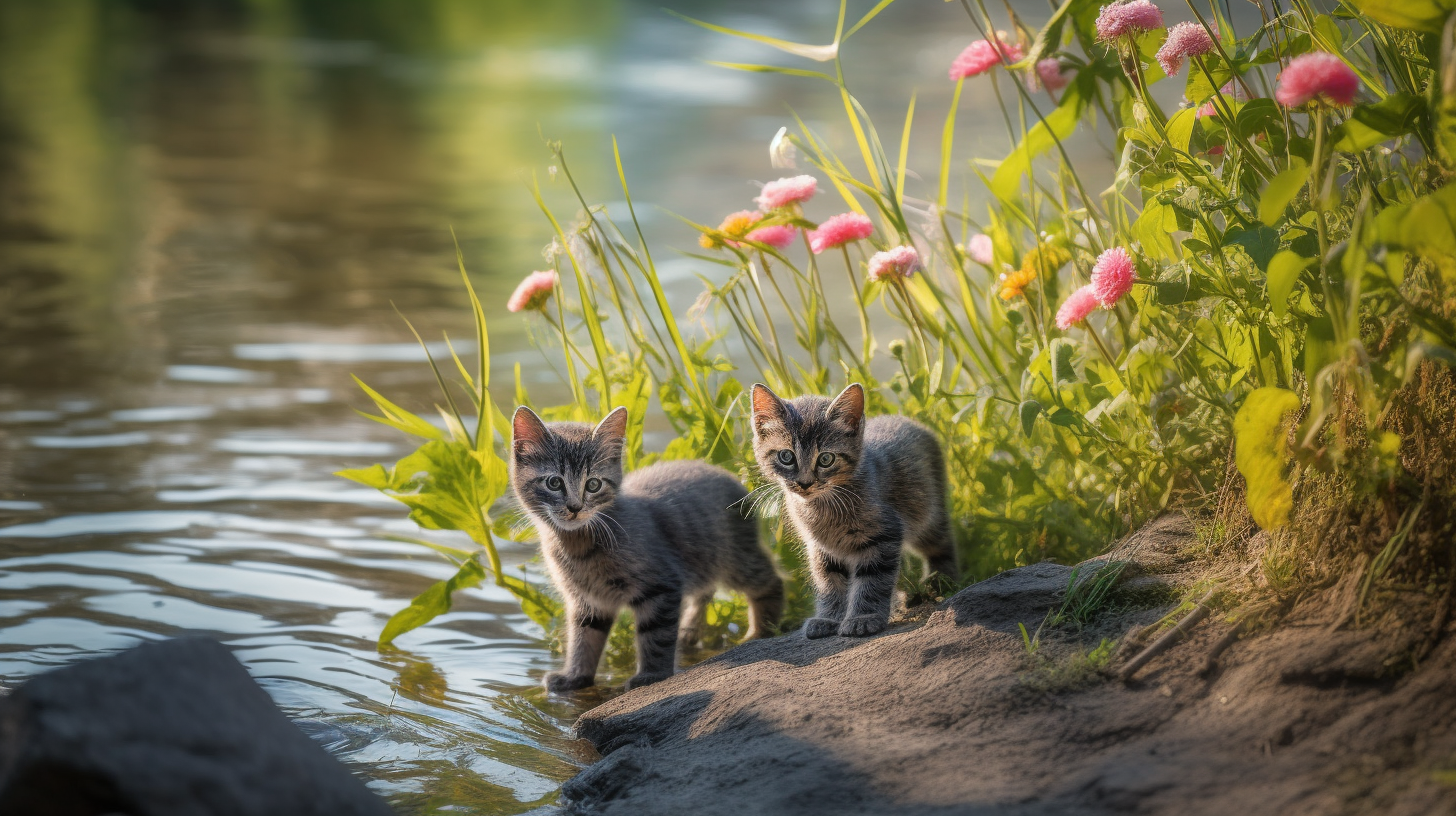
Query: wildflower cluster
{"type": "Point", "coordinates": [1272, 261]}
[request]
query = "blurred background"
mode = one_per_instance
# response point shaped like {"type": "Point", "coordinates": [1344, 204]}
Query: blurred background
{"type": "Point", "coordinates": [208, 214]}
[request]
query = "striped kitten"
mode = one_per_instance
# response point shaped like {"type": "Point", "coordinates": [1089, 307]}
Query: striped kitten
{"type": "Point", "coordinates": [855, 491]}
{"type": "Point", "coordinates": [658, 540]}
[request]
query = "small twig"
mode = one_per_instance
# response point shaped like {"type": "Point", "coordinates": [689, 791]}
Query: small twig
{"type": "Point", "coordinates": [1200, 611]}
{"type": "Point", "coordinates": [1229, 639]}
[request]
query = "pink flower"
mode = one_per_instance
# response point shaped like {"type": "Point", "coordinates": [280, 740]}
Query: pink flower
{"type": "Point", "coordinates": [1112, 276]}
{"type": "Point", "coordinates": [902, 260]}
{"type": "Point", "coordinates": [1049, 72]}
{"type": "Point", "coordinates": [1317, 74]}
{"type": "Point", "coordinates": [983, 55]}
{"type": "Point", "coordinates": [840, 230]}
{"type": "Point", "coordinates": [1184, 40]}
{"type": "Point", "coordinates": [981, 250]}
{"type": "Point", "coordinates": [533, 292]}
{"type": "Point", "coordinates": [1076, 307]}
{"type": "Point", "coordinates": [778, 237]}
{"type": "Point", "coordinates": [1130, 18]}
{"type": "Point", "coordinates": [786, 191]}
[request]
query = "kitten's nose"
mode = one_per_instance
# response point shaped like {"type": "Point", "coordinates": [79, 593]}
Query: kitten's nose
{"type": "Point", "coordinates": [573, 508]}
{"type": "Point", "coordinates": [804, 485]}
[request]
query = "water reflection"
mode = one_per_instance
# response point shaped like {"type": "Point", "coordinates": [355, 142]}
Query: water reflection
{"type": "Point", "coordinates": [208, 215]}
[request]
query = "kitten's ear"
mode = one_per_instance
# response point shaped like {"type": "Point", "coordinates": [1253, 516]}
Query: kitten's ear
{"type": "Point", "coordinates": [613, 426]}
{"type": "Point", "coordinates": [848, 407]}
{"type": "Point", "coordinates": [767, 408]}
{"type": "Point", "coordinates": [527, 431]}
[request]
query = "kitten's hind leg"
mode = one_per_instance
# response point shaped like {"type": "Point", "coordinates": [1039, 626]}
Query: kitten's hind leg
{"type": "Point", "coordinates": [765, 607]}
{"type": "Point", "coordinates": [831, 593]}
{"type": "Point", "coordinates": [754, 575]}
{"type": "Point", "coordinates": [586, 634]}
{"type": "Point", "coordinates": [658, 614]}
{"type": "Point", "coordinates": [690, 629]}
{"type": "Point", "coordinates": [937, 546]}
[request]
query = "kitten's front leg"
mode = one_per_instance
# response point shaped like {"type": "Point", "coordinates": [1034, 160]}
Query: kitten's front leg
{"type": "Point", "coordinates": [831, 583]}
{"type": "Point", "coordinates": [872, 589]}
{"type": "Point", "coordinates": [658, 615]}
{"type": "Point", "coordinates": [586, 635]}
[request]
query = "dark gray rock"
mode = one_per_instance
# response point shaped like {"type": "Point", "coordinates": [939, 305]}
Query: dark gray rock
{"type": "Point", "coordinates": [174, 728]}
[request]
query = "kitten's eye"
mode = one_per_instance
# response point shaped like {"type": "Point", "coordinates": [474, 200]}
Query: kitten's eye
{"type": "Point", "coordinates": [593, 485]}
{"type": "Point", "coordinates": [826, 459]}
{"type": "Point", "coordinates": [555, 483]}
{"type": "Point", "coordinates": [786, 458]}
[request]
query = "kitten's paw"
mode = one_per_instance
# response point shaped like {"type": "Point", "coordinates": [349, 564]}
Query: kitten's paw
{"type": "Point", "coordinates": [558, 682]}
{"type": "Point", "coordinates": [820, 628]}
{"type": "Point", "coordinates": [862, 625]}
{"type": "Point", "coordinates": [640, 680]}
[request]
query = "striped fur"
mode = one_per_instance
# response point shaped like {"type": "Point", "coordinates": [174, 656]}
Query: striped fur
{"type": "Point", "coordinates": [658, 541]}
{"type": "Point", "coordinates": [855, 491]}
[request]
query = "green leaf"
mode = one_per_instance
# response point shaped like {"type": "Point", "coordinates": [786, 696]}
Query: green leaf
{"type": "Point", "coordinates": [1200, 88]}
{"type": "Point", "coordinates": [1028, 411]}
{"type": "Point", "coordinates": [1426, 226]}
{"type": "Point", "coordinates": [374, 476]}
{"type": "Point", "coordinates": [1155, 228]}
{"type": "Point", "coordinates": [1284, 270]}
{"type": "Point", "coordinates": [433, 602]}
{"type": "Point", "coordinates": [819, 53]}
{"type": "Point", "coordinates": [1063, 417]}
{"type": "Point", "coordinates": [1254, 117]}
{"type": "Point", "coordinates": [1260, 243]}
{"type": "Point", "coordinates": [1180, 129]}
{"type": "Point", "coordinates": [446, 485]}
{"type": "Point", "coordinates": [1320, 348]}
{"type": "Point", "coordinates": [1181, 290]}
{"type": "Point", "coordinates": [1416, 15]}
{"type": "Point", "coordinates": [397, 417]}
{"type": "Point", "coordinates": [1281, 190]}
{"type": "Point", "coordinates": [1063, 353]}
{"type": "Point", "coordinates": [870, 15]}
{"type": "Point", "coordinates": [1369, 125]}
{"type": "Point", "coordinates": [535, 602]}
{"type": "Point", "coordinates": [1058, 125]}
{"type": "Point", "coordinates": [772, 69]}
{"type": "Point", "coordinates": [1261, 454]}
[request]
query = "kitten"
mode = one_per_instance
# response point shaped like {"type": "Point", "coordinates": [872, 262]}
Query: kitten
{"type": "Point", "coordinates": [855, 490]}
{"type": "Point", "coordinates": [658, 540]}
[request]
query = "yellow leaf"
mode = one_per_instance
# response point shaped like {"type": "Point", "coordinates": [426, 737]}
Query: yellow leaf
{"type": "Point", "coordinates": [1261, 453]}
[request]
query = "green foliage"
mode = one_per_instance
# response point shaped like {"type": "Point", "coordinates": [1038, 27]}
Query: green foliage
{"type": "Point", "coordinates": [1285, 257]}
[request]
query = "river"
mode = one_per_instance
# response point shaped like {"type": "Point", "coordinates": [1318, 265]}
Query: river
{"type": "Point", "coordinates": [209, 213]}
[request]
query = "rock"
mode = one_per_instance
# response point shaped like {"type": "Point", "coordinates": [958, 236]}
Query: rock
{"type": "Point", "coordinates": [940, 719]}
{"type": "Point", "coordinates": [174, 728]}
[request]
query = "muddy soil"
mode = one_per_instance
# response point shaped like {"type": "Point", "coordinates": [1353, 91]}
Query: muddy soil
{"type": "Point", "coordinates": [952, 716]}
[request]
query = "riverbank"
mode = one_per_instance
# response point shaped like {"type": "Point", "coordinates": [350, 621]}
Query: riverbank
{"type": "Point", "coordinates": [954, 715]}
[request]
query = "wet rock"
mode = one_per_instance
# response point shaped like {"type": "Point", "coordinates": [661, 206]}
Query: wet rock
{"type": "Point", "coordinates": [174, 728]}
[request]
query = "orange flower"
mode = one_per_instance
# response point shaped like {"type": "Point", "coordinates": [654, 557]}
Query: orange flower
{"type": "Point", "coordinates": [736, 225]}
{"type": "Point", "coordinates": [1013, 282]}
{"type": "Point", "coordinates": [1044, 260]}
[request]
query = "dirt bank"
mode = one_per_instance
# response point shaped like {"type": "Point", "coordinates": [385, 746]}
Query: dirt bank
{"type": "Point", "coordinates": [951, 716]}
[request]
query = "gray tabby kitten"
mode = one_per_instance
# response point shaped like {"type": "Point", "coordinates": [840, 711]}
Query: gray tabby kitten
{"type": "Point", "coordinates": [855, 491]}
{"type": "Point", "coordinates": [658, 540]}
